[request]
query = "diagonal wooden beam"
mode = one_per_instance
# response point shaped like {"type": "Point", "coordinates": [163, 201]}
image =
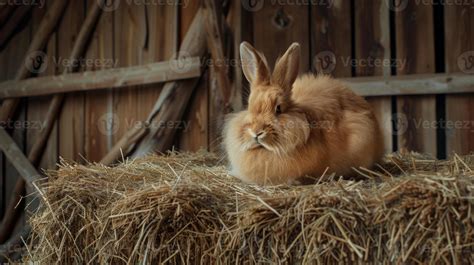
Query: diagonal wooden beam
{"type": "Point", "coordinates": [5, 13]}
{"type": "Point", "coordinates": [41, 37]}
{"type": "Point", "coordinates": [7, 31]}
{"type": "Point", "coordinates": [17, 158]}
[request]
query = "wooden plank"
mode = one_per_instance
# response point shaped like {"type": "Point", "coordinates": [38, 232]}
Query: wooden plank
{"type": "Point", "coordinates": [236, 20]}
{"type": "Point", "coordinates": [17, 158]}
{"type": "Point", "coordinates": [215, 24]}
{"type": "Point", "coordinates": [100, 79]}
{"type": "Point", "coordinates": [219, 83]}
{"type": "Point", "coordinates": [416, 84]}
{"type": "Point", "coordinates": [459, 56]}
{"type": "Point", "coordinates": [414, 43]}
{"type": "Point", "coordinates": [98, 108]}
{"type": "Point", "coordinates": [194, 132]}
{"type": "Point", "coordinates": [71, 121]}
{"type": "Point", "coordinates": [246, 34]}
{"type": "Point", "coordinates": [129, 43]}
{"type": "Point", "coordinates": [372, 44]}
{"type": "Point", "coordinates": [329, 46]}
{"type": "Point", "coordinates": [161, 44]}
{"type": "Point", "coordinates": [170, 106]}
{"type": "Point", "coordinates": [276, 27]}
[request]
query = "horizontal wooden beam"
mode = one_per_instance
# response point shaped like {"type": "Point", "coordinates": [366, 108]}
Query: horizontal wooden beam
{"type": "Point", "coordinates": [418, 84]}
{"type": "Point", "coordinates": [172, 70]}
{"type": "Point", "coordinates": [17, 158]}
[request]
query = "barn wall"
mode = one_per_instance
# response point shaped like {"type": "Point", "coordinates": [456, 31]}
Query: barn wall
{"type": "Point", "coordinates": [420, 38]}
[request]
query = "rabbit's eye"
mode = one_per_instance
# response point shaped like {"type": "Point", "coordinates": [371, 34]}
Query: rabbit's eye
{"type": "Point", "coordinates": [278, 109]}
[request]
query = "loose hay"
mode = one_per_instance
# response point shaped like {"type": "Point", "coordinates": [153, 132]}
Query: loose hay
{"type": "Point", "coordinates": [182, 208]}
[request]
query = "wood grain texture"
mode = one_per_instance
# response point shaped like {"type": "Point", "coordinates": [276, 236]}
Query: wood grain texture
{"type": "Point", "coordinates": [195, 132]}
{"type": "Point", "coordinates": [218, 37]}
{"type": "Point", "coordinates": [372, 43]}
{"type": "Point", "coordinates": [98, 118]}
{"type": "Point", "coordinates": [459, 56]}
{"type": "Point", "coordinates": [161, 45]}
{"type": "Point", "coordinates": [415, 44]}
{"type": "Point", "coordinates": [71, 121]}
{"type": "Point", "coordinates": [331, 38]}
{"type": "Point", "coordinates": [172, 102]}
{"type": "Point", "coordinates": [238, 28]}
{"type": "Point", "coordinates": [129, 41]}
{"type": "Point", "coordinates": [275, 27]}
{"type": "Point", "coordinates": [416, 84]}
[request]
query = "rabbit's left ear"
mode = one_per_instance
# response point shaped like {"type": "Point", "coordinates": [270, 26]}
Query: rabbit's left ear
{"type": "Point", "coordinates": [287, 67]}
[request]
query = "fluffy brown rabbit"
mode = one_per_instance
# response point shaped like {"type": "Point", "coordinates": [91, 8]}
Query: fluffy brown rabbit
{"type": "Point", "coordinates": [297, 127]}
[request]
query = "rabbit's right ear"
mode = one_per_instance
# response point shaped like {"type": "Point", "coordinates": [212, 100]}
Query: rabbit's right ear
{"type": "Point", "coordinates": [254, 65]}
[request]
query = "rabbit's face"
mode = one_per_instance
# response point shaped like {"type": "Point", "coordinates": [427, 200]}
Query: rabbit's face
{"type": "Point", "coordinates": [272, 123]}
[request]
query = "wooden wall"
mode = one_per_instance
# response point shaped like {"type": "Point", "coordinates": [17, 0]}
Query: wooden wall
{"type": "Point", "coordinates": [422, 38]}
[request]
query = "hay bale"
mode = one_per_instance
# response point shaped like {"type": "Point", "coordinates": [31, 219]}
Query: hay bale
{"type": "Point", "coordinates": [185, 208]}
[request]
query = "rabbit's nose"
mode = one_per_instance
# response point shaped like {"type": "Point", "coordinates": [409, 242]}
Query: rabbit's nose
{"type": "Point", "coordinates": [257, 135]}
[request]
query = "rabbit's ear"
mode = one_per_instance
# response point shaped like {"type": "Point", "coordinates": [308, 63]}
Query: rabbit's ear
{"type": "Point", "coordinates": [287, 67]}
{"type": "Point", "coordinates": [254, 65]}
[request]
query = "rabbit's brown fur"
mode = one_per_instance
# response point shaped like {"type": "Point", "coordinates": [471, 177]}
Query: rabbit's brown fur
{"type": "Point", "coordinates": [307, 124]}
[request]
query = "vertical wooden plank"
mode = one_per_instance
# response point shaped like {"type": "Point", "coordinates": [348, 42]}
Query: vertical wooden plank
{"type": "Point", "coordinates": [331, 38]}
{"type": "Point", "coordinates": [144, 33]}
{"type": "Point", "coordinates": [98, 114]}
{"type": "Point", "coordinates": [38, 107]}
{"type": "Point", "coordinates": [129, 41]}
{"type": "Point", "coordinates": [237, 29]}
{"type": "Point", "coordinates": [71, 121]}
{"type": "Point", "coordinates": [196, 120]}
{"type": "Point", "coordinates": [415, 44]}
{"type": "Point", "coordinates": [277, 26]}
{"type": "Point", "coordinates": [459, 55]}
{"type": "Point", "coordinates": [246, 25]}
{"type": "Point", "coordinates": [372, 56]}
{"type": "Point", "coordinates": [160, 45]}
